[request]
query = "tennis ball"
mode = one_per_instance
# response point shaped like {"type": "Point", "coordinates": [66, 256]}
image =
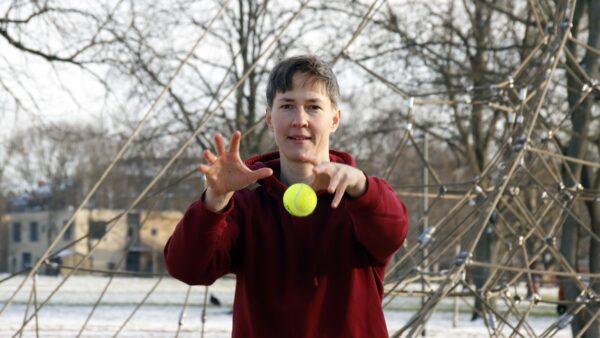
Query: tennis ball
{"type": "Point", "coordinates": [300, 200]}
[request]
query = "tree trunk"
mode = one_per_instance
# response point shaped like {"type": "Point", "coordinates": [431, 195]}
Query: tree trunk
{"type": "Point", "coordinates": [594, 264]}
{"type": "Point", "coordinates": [577, 148]}
{"type": "Point", "coordinates": [481, 25]}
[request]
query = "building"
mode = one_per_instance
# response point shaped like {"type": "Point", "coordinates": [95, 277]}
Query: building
{"type": "Point", "coordinates": [133, 242]}
{"type": "Point", "coordinates": [153, 229]}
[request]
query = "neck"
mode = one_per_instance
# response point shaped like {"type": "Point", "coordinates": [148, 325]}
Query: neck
{"type": "Point", "coordinates": [297, 172]}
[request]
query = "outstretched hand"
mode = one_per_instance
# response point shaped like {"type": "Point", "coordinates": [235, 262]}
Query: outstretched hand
{"type": "Point", "coordinates": [225, 172]}
{"type": "Point", "coordinates": [337, 178]}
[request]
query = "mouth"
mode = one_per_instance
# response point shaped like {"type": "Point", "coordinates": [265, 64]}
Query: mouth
{"type": "Point", "coordinates": [299, 138]}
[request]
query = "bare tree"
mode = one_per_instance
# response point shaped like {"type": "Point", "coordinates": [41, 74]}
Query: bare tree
{"type": "Point", "coordinates": [77, 36]}
{"type": "Point", "coordinates": [238, 42]}
{"type": "Point", "coordinates": [459, 51]}
{"type": "Point", "coordinates": [582, 78]}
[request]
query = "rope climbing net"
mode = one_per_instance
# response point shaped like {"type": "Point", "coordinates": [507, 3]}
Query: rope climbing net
{"type": "Point", "coordinates": [496, 203]}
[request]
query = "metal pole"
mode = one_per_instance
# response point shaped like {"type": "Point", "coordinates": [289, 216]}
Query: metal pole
{"type": "Point", "coordinates": [204, 310]}
{"type": "Point", "coordinates": [425, 223]}
{"type": "Point", "coordinates": [456, 309]}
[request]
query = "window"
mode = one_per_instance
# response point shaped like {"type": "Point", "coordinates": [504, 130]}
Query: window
{"type": "Point", "coordinates": [97, 229]}
{"type": "Point", "coordinates": [133, 261]}
{"type": "Point", "coordinates": [33, 232]}
{"type": "Point", "coordinates": [26, 260]}
{"type": "Point", "coordinates": [133, 221]}
{"type": "Point", "coordinates": [68, 235]}
{"type": "Point", "coordinates": [16, 233]}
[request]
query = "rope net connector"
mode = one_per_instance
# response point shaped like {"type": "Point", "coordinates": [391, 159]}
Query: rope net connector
{"type": "Point", "coordinates": [519, 142]}
{"type": "Point", "coordinates": [426, 237]}
{"type": "Point", "coordinates": [463, 257]}
{"type": "Point", "coordinates": [545, 197]}
{"type": "Point", "coordinates": [517, 299]}
{"type": "Point", "coordinates": [410, 103]}
{"type": "Point", "coordinates": [566, 24]}
{"type": "Point", "coordinates": [535, 298]}
{"type": "Point", "coordinates": [586, 88]}
{"type": "Point", "coordinates": [523, 94]}
{"type": "Point", "coordinates": [550, 241]}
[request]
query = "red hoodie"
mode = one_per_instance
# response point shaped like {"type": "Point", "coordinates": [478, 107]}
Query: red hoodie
{"type": "Point", "coordinates": [316, 276]}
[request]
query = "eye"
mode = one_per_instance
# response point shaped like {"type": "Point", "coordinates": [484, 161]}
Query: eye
{"type": "Point", "coordinates": [286, 106]}
{"type": "Point", "coordinates": [314, 107]}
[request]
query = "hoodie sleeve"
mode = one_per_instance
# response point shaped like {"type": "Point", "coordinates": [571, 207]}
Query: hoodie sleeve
{"type": "Point", "coordinates": [201, 248]}
{"type": "Point", "coordinates": [380, 219]}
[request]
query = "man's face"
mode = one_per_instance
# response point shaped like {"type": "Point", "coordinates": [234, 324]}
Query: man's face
{"type": "Point", "coordinates": [302, 119]}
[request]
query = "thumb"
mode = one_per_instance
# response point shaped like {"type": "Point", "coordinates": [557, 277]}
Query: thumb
{"type": "Point", "coordinates": [262, 173]}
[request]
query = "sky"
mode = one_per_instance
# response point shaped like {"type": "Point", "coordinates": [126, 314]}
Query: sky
{"type": "Point", "coordinates": [64, 92]}
{"type": "Point", "coordinates": [61, 91]}
{"type": "Point", "coordinates": [55, 93]}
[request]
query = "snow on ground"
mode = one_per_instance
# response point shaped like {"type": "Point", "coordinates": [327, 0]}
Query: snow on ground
{"type": "Point", "coordinates": [65, 314]}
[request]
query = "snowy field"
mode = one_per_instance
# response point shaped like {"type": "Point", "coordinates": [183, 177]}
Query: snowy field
{"type": "Point", "coordinates": [68, 309]}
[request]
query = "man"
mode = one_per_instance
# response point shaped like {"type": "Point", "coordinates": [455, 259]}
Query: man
{"type": "Point", "coordinates": [315, 276]}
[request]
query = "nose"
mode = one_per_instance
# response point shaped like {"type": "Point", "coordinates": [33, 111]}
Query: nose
{"type": "Point", "coordinates": [300, 118]}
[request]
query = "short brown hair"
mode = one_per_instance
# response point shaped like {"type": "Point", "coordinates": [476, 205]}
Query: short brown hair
{"type": "Point", "coordinates": [280, 79]}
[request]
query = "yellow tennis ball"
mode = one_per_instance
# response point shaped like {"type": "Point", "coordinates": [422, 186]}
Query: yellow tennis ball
{"type": "Point", "coordinates": [300, 200]}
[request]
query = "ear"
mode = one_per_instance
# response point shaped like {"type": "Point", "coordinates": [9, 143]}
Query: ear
{"type": "Point", "coordinates": [268, 118]}
{"type": "Point", "coordinates": [337, 115]}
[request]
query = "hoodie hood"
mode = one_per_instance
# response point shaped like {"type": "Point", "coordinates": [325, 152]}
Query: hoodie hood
{"type": "Point", "coordinates": [271, 160]}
